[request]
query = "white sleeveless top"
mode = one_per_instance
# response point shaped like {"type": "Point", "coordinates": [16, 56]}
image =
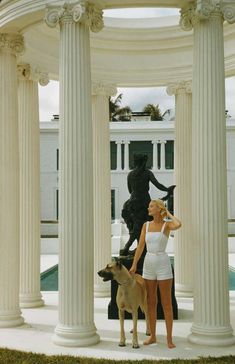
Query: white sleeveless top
{"type": "Point", "coordinates": [156, 241]}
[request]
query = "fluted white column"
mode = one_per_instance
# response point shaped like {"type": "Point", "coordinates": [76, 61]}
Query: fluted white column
{"type": "Point", "coordinates": [119, 155]}
{"type": "Point", "coordinates": [126, 156]}
{"type": "Point", "coordinates": [10, 314]}
{"type": "Point", "coordinates": [183, 238]}
{"type": "Point", "coordinates": [102, 183]}
{"type": "Point", "coordinates": [30, 212]}
{"type": "Point", "coordinates": [155, 155]}
{"type": "Point", "coordinates": [76, 226]}
{"type": "Point", "coordinates": [163, 155]}
{"type": "Point", "coordinates": [211, 324]}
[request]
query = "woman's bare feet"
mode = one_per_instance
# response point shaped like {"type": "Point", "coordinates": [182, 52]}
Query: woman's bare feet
{"type": "Point", "coordinates": [150, 340]}
{"type": "Point", "coordinates": [170, 344]}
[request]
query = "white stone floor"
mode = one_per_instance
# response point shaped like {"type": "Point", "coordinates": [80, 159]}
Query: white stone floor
{"type": "Point", "coordinates": [35, 335]}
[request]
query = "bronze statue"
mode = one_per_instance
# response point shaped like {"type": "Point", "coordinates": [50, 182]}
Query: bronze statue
{"type": "Point", "coordinates": [135, 209]}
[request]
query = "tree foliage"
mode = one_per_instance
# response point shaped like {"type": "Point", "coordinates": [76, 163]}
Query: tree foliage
{"type": "Point", "coordinates": [154, 111]}
{"type": "Point", "coordinates": [116, 112]}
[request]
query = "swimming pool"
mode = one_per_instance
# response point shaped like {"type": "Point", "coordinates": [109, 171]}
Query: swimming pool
{"type": "Point", "coordinates": [49, 279]}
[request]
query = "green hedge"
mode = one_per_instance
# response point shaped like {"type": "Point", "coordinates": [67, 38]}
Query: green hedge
{"type": "Point", "coordinates": [19, 357]}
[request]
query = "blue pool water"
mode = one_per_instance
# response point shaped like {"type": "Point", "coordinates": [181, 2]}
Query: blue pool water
{"type": "Point", "coordinates": [49, 279]}
{"type": "Point", "coordinates": [231, 277]}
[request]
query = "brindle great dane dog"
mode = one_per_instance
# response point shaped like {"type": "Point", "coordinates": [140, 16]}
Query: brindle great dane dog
{"type": "Point", "coordinates": [131, 295]}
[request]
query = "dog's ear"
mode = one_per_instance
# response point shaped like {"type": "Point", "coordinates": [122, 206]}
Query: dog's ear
{"type": "Point", "coordinates": [118, 262]}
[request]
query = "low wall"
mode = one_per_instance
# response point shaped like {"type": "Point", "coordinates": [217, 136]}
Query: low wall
{"type": "Point", "coordinates": [231, 227]}
{"type": "Point", "coordinates": [49, 228]}
{"type": "Point", "coordinates": [119, 237]}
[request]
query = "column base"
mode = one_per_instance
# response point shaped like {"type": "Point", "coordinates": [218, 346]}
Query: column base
{"type": "Point", "coordinates": [183, 290]}
{"type": "Point", "coordinates": [75, 336]}
{"type": "Point", "coordinates": [31, 301]}
{"type": "Point", "coordinates": [102, 290]}
{"type": "Point", "coordinates": [213, 336]}
{"type": "Point", "coordinates": [11, 319]}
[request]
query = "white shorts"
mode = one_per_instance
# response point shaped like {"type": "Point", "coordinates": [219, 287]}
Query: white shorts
{"type": "Point", "coordinates": [157, 267]}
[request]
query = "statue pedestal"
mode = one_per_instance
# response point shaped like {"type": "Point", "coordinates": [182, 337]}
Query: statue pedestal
{"type": "Point", "coordinates": [112, 307]}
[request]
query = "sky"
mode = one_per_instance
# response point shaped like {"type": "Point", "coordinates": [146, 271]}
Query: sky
{"type": "Point", "coordinates": [136, 98]}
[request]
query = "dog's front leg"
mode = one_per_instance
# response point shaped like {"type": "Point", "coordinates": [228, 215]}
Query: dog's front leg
{"type": "Point", "coordinates": [135, 344]}
{"type": "Point", "coordinates": [122, 332]}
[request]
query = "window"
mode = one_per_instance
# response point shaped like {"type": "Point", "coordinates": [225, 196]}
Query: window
{"type": "Point", "coordinates": [141, 147]}
{"type": "Point", "coordinates": [57, 159]}
{"type": "Point", "coordinates": [113, 204]}
{"type": "Point", "coordinates": [158, 155]}
{"type": "Point", "coordinates": [169, 153]}
{"type": "Point", "coordinates": [113, 155]}
{"type": "Point", "coordinates": [122, 156]}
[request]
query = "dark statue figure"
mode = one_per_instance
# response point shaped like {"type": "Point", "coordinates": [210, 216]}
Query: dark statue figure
{"type": "Point", "coordinates": [135, 210]}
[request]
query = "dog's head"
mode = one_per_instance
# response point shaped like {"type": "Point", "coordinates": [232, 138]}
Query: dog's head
{"type": "Point", "coordinates": [110, 271]}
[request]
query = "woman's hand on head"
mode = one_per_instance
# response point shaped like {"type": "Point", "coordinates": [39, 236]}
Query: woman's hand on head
{"type": "Point", "coordinates": [164, 212]}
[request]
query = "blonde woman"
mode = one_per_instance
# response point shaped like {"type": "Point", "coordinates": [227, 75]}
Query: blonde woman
{"type": "Point", "coordinates": [157, 267]}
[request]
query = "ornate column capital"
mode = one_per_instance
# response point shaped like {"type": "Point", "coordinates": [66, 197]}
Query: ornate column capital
{"type": "Point", "coordinates": [80, 11]}
{"type": "Point", "coordinates": [204, 9]}
{"type": "Point", "coordinates": [181, 87]}
{"type": "Point", "coordinates": [228, 10]}
{"type": "Point", "coordinates": [187, 18]}
{"type": "Point", "coordinates": [26, 72]}
{"type": "Point", "coordinates": [100, 88]}
{"type": "Point", "coordinates": [12, 42]}
{"type": "Point", "coordinates": [94, 18]}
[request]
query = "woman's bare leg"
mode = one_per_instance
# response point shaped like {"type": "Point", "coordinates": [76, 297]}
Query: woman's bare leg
{"type": "Point", "coordinates": [165, 291]}
{"type": "Point", "coordinates": [151, 287]}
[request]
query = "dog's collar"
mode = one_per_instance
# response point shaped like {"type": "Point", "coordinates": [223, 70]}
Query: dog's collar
{"type": "Point", "coordinates": [125, 283]}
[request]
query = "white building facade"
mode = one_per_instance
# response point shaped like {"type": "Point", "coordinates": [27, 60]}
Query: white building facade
{"type": "Point", "coordinates": [154, 138]}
